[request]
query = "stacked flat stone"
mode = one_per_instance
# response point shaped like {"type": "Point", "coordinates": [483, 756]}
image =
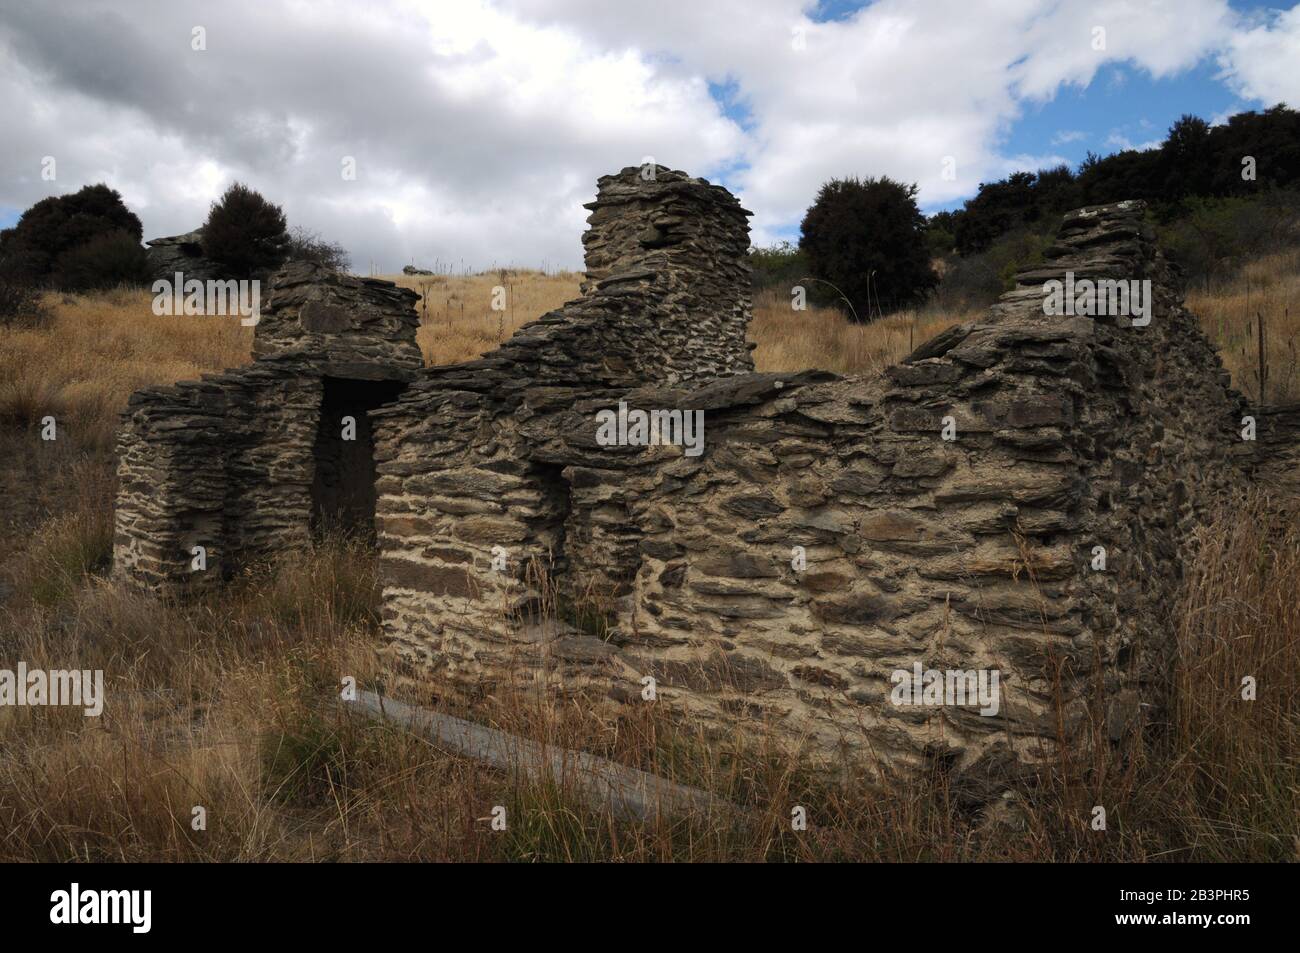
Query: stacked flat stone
{"type": "Point", "coordinates": [1071, 432]}
{"type": "Point", "coordinates": [498, 511]}
{"type": "Point", "coordinates": [325, 322]}
{"type": "Point", "coordinates": [226, 462]}
{"type": "Point", "coordinates": [183, 254]}
{"type": "Point", "coordinates": [461, 469]}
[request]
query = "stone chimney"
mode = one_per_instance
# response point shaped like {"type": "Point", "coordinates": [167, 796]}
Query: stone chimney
{"type": "Point", "coordinates": [336, 325]}
{"type": "Point", "coordinates": [686, 242]}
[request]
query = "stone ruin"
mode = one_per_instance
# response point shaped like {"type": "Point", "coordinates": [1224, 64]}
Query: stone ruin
{"type": "Point", "coordinates": [246, 464]}
{"type": "Point", "coordinates": [827, 537]}
{"type": "Point", "coordinates": [183, 253]}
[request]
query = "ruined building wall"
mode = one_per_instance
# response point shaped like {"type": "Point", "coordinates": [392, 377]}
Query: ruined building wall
{"type": "Point", "coordinates": [676, 249]}
{"type": "Point", "coordinates": [222, 463]}
{"type": "Point", "coordinates": [666, 300]}
{"type": "Point", "coordinates": [975, 553]}
{"type": "Point", "coordinates": [829, 534]}
{"type": "Point", "coordinates": [227, 462]}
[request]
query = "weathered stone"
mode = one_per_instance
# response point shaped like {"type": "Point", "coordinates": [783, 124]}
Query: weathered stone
{"type": "Point", "coordinates": [428, 577]}
{"type": "Point", "coordinates": [856, 608]}
{"type": "Point", "coordinates": [737, 565]}
{"type": "Point", "coordinates": [826, 535]}
{"type": "Point", "coordinates": [183, 254]}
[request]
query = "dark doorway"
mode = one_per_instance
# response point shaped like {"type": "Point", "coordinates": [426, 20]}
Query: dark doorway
{"type": "Point", "coordinates": [343, 489]}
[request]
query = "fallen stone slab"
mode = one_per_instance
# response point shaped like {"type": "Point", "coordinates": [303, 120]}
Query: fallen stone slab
{"type": "Point", "coordinates": [631, 794]}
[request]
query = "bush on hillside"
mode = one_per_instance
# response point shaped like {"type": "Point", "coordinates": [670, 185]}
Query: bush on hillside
{"type": "Point", "coordinates": [306, 245]}
{"type": "Point", "coordinates": [19, 303]}
{"type": "Point", "coordinates": [976, 281]}
{"type": "Point", "coordinates": [54, 226]}
{"type": "Point", "coordinates": [106, 261]}
{"type": "Point", "coordinates": [1211, 237]}
{"type": "Point", "coordinates": [245, 233]}
{"type": "Point", "coordinates": [1251, 155]}
{"type": "Point", "coordinates": [867, 238]}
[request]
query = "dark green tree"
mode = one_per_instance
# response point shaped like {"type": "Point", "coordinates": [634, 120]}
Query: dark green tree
{"type": "Point", "coordinates": [941, 232]}
{"type": "Point", "coordinates": [867, 238]}
{"type": "Point", "coordinates": [107, 260]}
{"type": "Point", "coordinates": [53, 226]}
{"type": "Point", "coordinates": [1195, 161]}
{"type": "Point", "coordinates": [245, 233]}
{"type": "Point", "coordinates": [1186, 163]}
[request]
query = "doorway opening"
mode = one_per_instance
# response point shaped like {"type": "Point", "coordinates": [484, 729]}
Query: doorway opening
{"type": "Point", "coordinates": [343, 487]}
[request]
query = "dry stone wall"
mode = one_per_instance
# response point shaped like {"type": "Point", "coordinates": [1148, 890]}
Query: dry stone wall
{"type": "Point", "coordinates": [976, 553]}
{"type": "Point", "coordinates": [1017, 497]}
{"type": "Point", "coordinates": [227, 463]}
{"type": "Point", "coordinates": [181, 253]}
{"type": "Point", "coordinates": [969, 554]}
{"type": "Point", "coordinates": [666, 300]}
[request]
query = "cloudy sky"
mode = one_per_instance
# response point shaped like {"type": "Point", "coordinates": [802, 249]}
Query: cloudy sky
{"type": "Point", "coordinates": [478, 127]}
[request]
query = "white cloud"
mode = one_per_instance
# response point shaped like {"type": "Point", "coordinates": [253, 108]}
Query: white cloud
{"type": "Point", "coordinates": [900, 85]}
{"type": "Point", "coordinates": [476, 137]}
{"type": "Point", "coordinates": [1261, 63]}
{"type": "Point", "coordinates": [1121, 142]}
{"type": "Point", "coordinates": [480, 127]}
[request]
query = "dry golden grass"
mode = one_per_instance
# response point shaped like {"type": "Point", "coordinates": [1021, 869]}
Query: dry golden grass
{"type": "Point", "coordinates": [790, 340]}
{"type": "Point", "coordinates": [241, 726]}
{"type": "Point", "coordinates": [458, 322]}
{"type": "Point", "coordinates": [235, 724]}
{"type": "Point", "coordinates": [1229, 314]}
{"type": "Point", "coordinates": [95, 350]}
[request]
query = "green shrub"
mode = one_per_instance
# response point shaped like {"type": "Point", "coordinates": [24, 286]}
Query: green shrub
{"type": "Point", "coordinates": [975, 281]}
{"type": "Point", "coordinates": [245, 233]}
{"type": "Point", "coordinates": [106, 261]}
{"type": "Point", "coordinates": [1208, 237]}
{"type": "Point", "coordinates": [868, 240]}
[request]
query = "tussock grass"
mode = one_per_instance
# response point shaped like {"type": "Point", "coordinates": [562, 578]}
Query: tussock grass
{"type": "Point", "coordinates": [57, 503]}
{"type": "Point", "coordinates": [824, 338]}
{"type": "Point", "coordinates": [223, 703]}
{"type": "Point", "coordinates": [95, 350]}
{"type": "Point", "coordinates": [458, 322]}
{"type": "Point", "coordinates": [92, 351]}
{"type": "Point", "coordinates": [1230, 314]}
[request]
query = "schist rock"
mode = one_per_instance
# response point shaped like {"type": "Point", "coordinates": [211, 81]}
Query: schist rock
{"type": "Point", "coordinates": [830, 532]}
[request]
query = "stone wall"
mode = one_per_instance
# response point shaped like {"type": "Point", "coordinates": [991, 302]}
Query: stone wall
{"type": "Point", "coordinates": [666, 300]}
{"type": "Point", "coordinates": [227, 462]}
{"type": "Point", "coordinates": [1071, 432]}
{"type": "Point", "coordinates": [948, 514]}
{"type": "Point", "coordinates": [974, 553]}
{"type": "Point", "coordinates": [184, 254]}
{"type": "Point", "coordinates": [223, 463]}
